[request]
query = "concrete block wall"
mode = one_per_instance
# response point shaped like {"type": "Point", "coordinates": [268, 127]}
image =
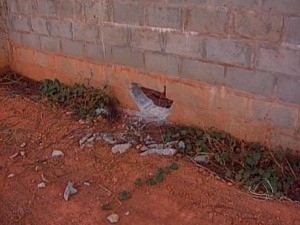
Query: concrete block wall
{"type": "Point", "coordinates": [4, 59]}
{"type": "Point", "coordinates": [233, 64]}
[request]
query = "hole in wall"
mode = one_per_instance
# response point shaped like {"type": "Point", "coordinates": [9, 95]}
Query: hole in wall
{"type": "Point", "coordinates": [153, 105]}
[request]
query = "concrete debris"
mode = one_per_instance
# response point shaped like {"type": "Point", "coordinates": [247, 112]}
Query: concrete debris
{"type": "Point", "coordinates": [41, 185]}
{"type": "Point", "coordinates": [113, 218]}
{"type": "Point", "coordinates": [102, 112]}
{"type": "Point", "coordinates": [201, 159]}
{"type": "Point", "coordinates": [11, 175]}
{"type": "Point", "coordinates": [22, 153]}
{"type": "Point", "coordinates": [84, 139]}
{"type": "Point", "coordinates": [121, 148]}
{"type": "Point", "coordinates": [109, 139]}
{"type": "Point", "coordinates": [57, 153]}
{"type": "Point", "coordinates": [160, 151]}
{"type": "Point", "coordinates": [85, 183]}
{"type": "Point", "coordinates": [23, 145]}
{"type": "Point", "coordinates": [181, 145]}
{"type": "Point", "coordinates": [69, 190]}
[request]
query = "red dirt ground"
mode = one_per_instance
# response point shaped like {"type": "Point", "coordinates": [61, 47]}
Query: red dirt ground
{"type": "Point", "coordinates": [189, 195]}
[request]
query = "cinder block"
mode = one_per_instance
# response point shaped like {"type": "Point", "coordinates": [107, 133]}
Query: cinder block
{"type": "Point", "coordinates": [184, 44]}
{"type": "Point", "coordinates": [72, 48]}
{"type": "Point", "coordinates": [31, 40]}
{"type": "Point", "coordinates": [27, 7]}
{"type": "Point", "coordinates": [39, 25]}
{"type": "Point", "coordinates": [258, 25]}
{"type": "Point", "coordinates": [228, 51]}
{"type": "Point", "coordinates": [66, 65]}
{"type": "Point", "coordinates": [287, 7]}
{"type": "Point", "coordinates": [286, 140]}
{"type": "Point", "coordinates": [97, 10]}
{"type": "Point", "coordinates": [48, 8]}
{"type": "Point", "coordinates": [44, 60]}
{"type": "Point", "coordinates": [204, 72]}
{"type": "Point", "coordinates": [112, 35]}
{"type": "Point", "coordinates": [85, 32]}
{"type": "Point", "coordinates": [50, 44]}
{"type": "Point", "coordinates": [12, 6]}
{"type": "Point", "coordinates": [280, 60]}
{"type": "Point", "coordinates": [98, 52]}
{"type": "Point", "coordinates": [293, 30]}
{"type": "Point", "coordinates": [128, 13]}
{"type": "Point", "coordinates": [20, 23]}
{"type": "Point", "coordinates": [255, 82]}
{"type": "Point", "coordinates": [274, 114]}
{"type": "Point", "coordinates": [164, 17]}
{"type": "Point", "coordinates": [232, 3]}
{"type": "Point", "coordinates": [162, 64]}
{"type": "Point", "coordinates": [208, 20]}
{"type": "Point", "coordinates": [289, 90]}
{"type": "Point", "coordinates": [145, 39]}
{"type": "Point", "coordinates": [128, 57]}
{"type": "Point", "coordinates": [59, 28]}
{"type": "Point", "coordinates": [71, 9]}
{"type": "Point", "coordinates": [15, 37]}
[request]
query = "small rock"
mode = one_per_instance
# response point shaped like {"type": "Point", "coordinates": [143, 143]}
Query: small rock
{"type": "Point", "coordinates": [144, 148]}
{"type": "Point", "coordinates": [23, 145]}
{"type": "Point", "coordinates": [202, 159]}
{"type": "Point", "coordinates": [11, 175]}
{"type": "Point", "coordinates": [113, 218]}
{"type": "Point", "coordinates": [229, 183]}
{"type": "Point", "coordinates": [22, 153]}
{"type": "Point", "coordinates": [160, 151]}
{"type": "Point", "coordinates": [109, 139]}
{"type": "Point", "coordinates": [81, 121]}
{"type": "Point", "coordinates": [84, 139]}
{"type": "Point", "coordinates": [57, 153]}
{"type": "Point", "coordinates": [121, 148]}
{"type": "Point", "coordinates": [85, 183]}
{"type": "Point", "coordinates": [181, 145]}
{"type": "Point", "coordinates": [41, 185]}
{"type": "Point", "coordinates": [69, 190]}
{"type": "Point", "coordinates": [127, 213]}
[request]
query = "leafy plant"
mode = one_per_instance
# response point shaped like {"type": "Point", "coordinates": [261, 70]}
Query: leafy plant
{"type": "Point", "coordinates": [85, 101]}
{"type": "Point", "coordinates": [159, 175]}
{"type": "Point", "coordinates": [246, 163]}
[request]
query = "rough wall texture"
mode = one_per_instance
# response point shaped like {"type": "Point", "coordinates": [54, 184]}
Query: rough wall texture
{"type": "Point", "coordinates": [4, 61]}
{"type": "Point", "coordinates": [233, 64]}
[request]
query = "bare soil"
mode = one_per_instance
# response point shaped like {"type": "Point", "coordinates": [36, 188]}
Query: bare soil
{"type": "Point", "coordinates": [189, 195]}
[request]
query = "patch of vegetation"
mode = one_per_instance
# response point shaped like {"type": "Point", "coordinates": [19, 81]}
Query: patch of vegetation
{"type": "Point", "coordinates": [106, 207]}
{"type": "Point", "coordinates": [159, 175]}
{"type": "Point", "coordinates": [275, 173]}
{"type": "Point", "coordinates": [83, 100]}
{"type": "Point", "coordinates": [124, 195]}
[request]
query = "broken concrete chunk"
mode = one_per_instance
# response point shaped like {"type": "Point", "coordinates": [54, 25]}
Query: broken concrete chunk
{"type": "Point", "coordinates": [160, 151]}
{"type": "Point", "coordinates": [69, 190]}
{"type": "Point", "coordinates": [84, 139]}
{"type": "Point", "coordinates": [109, 139]}
{"type": "Point", "coordinates": [41, 185]}
{"type": "Point", "coordinates": [201, 159]}
{"type": "Point", "coordinates": [113, 218]}
{"type": "Point", "coordinates": [121, 148]}
{"type": "Point", "coordinates": [181, 145]}
{"type": "Point", "coordinates": [57, 153]}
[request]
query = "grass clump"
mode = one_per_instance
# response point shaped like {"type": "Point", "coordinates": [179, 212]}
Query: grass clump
{"type": "Point", "coordinates": [158, 176]}
{"type": "Point", "coordinates": [84, 101]}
